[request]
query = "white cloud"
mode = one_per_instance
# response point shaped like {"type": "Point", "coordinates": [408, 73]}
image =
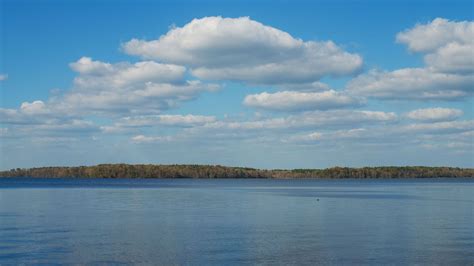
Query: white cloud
{"type": "Point", "coordinates": [150, 139]}
{"type": "Point", "coordinates": [412, 83]}
{"type": "Point", "coordinates": [75, 126]}
{"type": "Point", "coordinates": [307, 120]}
{"type": "Point", "coordinates": [447, 137]}
{"type": "Point", "coordinates": [309, 137]}
{"type": "Point", "coordinates": [133, 122]}
{"type": "Point", "coordinates": [36, 107]}
{"type": "Point", "coordinates": [114, 129]}
{"type": "Point", "coordinates": [118, 89]}
{"type": "Point", "coordinates": [454, 135]}
{"type": "Point", "coordinates": [37, 126]}
{"type": "Point", "coordinates": [449, 147]}
{"type": "Point", "coordinates": [86, 65]}
{"type": "Point", "coordinates": [143, 87]}
{"type": "Point", "coordinates": [48, 141]}
{"type": "Point", "coordinates": [35, 112]}
{"type": "Point", "coordinates": [242, 49]}
{"type": "Point", "coordinates": [345, 134]}
{"type": "Point", "coordinates": [452, 58]}
{"type": "Point", "coordinates": [12, 116]}
{"type": "Point", "coordinates": [448, 74]}
{"type": "Point", "coordinates": [298, 101]}
{"type": "Point", "coordinates": [3, 77]}
{"type": "Point", "coordinates": [179, 120]}
{"type": "Point", "coordinates": [147, 98]}
{"type": "Point", "coordinates": [99, 74]}
{"type": "Point", "coordinates": [438, 33]}
{"type": "Point", "coordinates": [235, 37]}
{"type": "Point", "coordinates": [435, 114]}
{"type": "Point", "coordinates": [440, 127]}
{"type": "Point", "coordinates": [108, 90]}
{"type": "Point", "coordinates": [449, 44]}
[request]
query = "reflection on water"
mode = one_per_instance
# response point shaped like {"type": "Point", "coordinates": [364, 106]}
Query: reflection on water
{"type": "Point", "coordinates": [237, 221]}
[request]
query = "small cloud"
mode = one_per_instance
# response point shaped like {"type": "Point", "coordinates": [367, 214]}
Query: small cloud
{"type": "Point", "coordinates": [440, 127]}
{"type": "Point", "coordinates": [435, 114]}
{"type": "Point", "coordinates": [3, 77]}
{"type": "Point", "coordinates": [302, 101]}
{"type": "Point", "coordinates": [150, 139]}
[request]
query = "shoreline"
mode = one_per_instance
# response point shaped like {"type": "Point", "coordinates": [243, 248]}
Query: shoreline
{"type": "Point", "coordinates": [153, 171]}
{"type": "Point", "coordinates": [243, 178]}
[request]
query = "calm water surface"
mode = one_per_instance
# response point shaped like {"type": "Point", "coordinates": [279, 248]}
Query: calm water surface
{"type": "Point", "coordinates": [225, 222]}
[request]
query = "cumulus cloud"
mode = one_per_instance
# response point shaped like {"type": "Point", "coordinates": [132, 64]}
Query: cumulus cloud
{"type": "Point", "coordinates": [436, 34]}
{"type": "Point", "coordinates": [299, 101]}
{"type": "Point", "coordinates": [449, 58]}
{"type": "Point", "coordinates": [100, 74]}
{"type": "Point", "coordinates": [412, 83]}
{"type": "Point", "coordinates": [143, 87]}
{"type": "Point", "coordinates": [13, 116]}
{"type": "Point", "coordinates": [111, 90]}
{"type": "Point", "coordinates": [435, 114]}
{"type": "Point", "coordinates": [147, 98]}
{"type": "Point", "coordinates": [36, 107]}
{"type": "Point", "coordinates": [449, 44]}
{"type": "Point", "coordinates": [452, 58]}
{"type": "Point", "coordinates": [242, 49]}
{"type": "Point", "coordinates": [36, 112]}
{"type": "Point", "coordinates": [116, 89]}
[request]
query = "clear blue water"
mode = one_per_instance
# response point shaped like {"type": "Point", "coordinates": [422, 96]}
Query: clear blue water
{"type": "Point", "coordinates": [226, 222]}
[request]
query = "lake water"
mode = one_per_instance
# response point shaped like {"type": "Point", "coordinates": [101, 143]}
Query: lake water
{"type": "Point", "coordinates": [228, 222]}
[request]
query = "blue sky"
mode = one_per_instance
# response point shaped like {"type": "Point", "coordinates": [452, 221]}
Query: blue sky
{"type": "Point", "coordinates": [271, 84]}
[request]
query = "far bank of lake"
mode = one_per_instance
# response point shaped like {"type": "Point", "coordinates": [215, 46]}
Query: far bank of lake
{"type": "Point", "coordinates": [218, 171]}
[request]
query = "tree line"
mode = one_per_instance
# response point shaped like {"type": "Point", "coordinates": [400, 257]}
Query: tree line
{"type": "Point", "coordinates": [218, 171]}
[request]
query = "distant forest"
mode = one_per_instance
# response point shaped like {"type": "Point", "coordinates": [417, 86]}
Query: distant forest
{"type": "Point", "coordinates": [217, 171]}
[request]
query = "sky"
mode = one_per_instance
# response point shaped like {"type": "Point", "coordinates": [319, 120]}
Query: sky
{"type": "Point", "coordinates": [266, 84]}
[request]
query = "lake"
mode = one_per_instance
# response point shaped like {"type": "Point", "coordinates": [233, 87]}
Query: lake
{"type": "Point", "coordinates": [237, 221]}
